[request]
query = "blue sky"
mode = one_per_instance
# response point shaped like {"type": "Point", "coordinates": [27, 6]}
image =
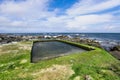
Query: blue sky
{"type": "Point", "coordinates": [19, 16]}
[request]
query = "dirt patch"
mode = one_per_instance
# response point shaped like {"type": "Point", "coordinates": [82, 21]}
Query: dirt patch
{"type": "Point", "coordinates": [24, 46]}
{"type": "Point", "coordinates": [14, 47]}
{"type": "Point", "coordinates": [56, 72]}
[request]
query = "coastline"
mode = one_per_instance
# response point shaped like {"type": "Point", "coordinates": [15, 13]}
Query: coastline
{"type": "Point", "coordinates": [112, 46]}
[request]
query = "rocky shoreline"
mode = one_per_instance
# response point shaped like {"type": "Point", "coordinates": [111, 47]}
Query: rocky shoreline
{"type": "Point", "coordinates": [113, 49]}
{"type": "Point", "coordinates": [5, 39]}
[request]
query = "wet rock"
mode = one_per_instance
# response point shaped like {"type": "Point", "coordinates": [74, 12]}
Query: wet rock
{"type": "Point", "coordinates": [7, 38]}
{"type": "Point", "coordinates": [62, 37]}
{"type": "Point", "coordinates": [115, 48]}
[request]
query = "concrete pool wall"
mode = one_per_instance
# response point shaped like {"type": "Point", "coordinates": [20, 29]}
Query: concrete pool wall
{"type": "Point", "coordinates": [47, 49]}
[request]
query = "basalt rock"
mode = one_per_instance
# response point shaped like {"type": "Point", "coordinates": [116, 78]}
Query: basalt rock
{"type": "Point", "coordinates": [4, 38]}
{"type": "Point", "coordinates": [115, 48]}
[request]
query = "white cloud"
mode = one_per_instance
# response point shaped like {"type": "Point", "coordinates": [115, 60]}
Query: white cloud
{"type": "Point", "coordinates": [17, 23]}
{"type": "Point", "coordinates": [90, 6]}
{"type": "Point", "coordinates": [26, 9]}
{"type": "Point", "coordinates": [110, 27]}
{"type": "Point", "coordinates": [86, 20]}
{"type": "Point", "coordinates": [3, 19]}
{"type": "Point", "coordinates": [33, 16]}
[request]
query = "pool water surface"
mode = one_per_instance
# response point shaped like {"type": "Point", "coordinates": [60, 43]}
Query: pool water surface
{"type": "Point", "coordinates": [51, 49]}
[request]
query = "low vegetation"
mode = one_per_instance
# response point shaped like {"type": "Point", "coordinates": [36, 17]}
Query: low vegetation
{"type": "Point", "coordinates": [91, 65]}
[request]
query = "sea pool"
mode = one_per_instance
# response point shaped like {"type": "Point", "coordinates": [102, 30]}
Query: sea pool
{"type": "Point", "coordinates": [50, 49]}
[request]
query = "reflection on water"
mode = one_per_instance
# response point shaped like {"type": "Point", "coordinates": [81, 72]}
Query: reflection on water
{"type": "Point", "coordinates": [46, 50]}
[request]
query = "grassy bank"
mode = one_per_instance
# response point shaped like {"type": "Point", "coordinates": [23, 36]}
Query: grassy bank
{"type": "Point", "coordinates": [96, 65]}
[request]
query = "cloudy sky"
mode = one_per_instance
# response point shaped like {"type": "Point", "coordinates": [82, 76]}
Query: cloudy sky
{"type": "Point", "coordinates": [19, 16]}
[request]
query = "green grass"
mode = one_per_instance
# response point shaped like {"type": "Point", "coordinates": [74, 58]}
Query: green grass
{"type": "Point", "coordinates": [97, 64]}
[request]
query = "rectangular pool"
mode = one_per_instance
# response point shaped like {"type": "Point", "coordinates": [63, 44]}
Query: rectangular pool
{"type": "Point", "coordinates": [50, 49]}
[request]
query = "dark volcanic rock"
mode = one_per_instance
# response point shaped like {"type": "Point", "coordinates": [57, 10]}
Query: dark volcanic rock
{"type": "Point", "coordinates": [115, 48]}
{"type": "Point", "coordinates": [4, 38]}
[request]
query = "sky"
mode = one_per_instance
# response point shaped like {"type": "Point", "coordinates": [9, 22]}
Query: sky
{"type": "Point", "coordinates": [37, 16]}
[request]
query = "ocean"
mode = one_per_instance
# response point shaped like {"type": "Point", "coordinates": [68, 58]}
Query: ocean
{"type": "Point", "coordinates": [97, 36]}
